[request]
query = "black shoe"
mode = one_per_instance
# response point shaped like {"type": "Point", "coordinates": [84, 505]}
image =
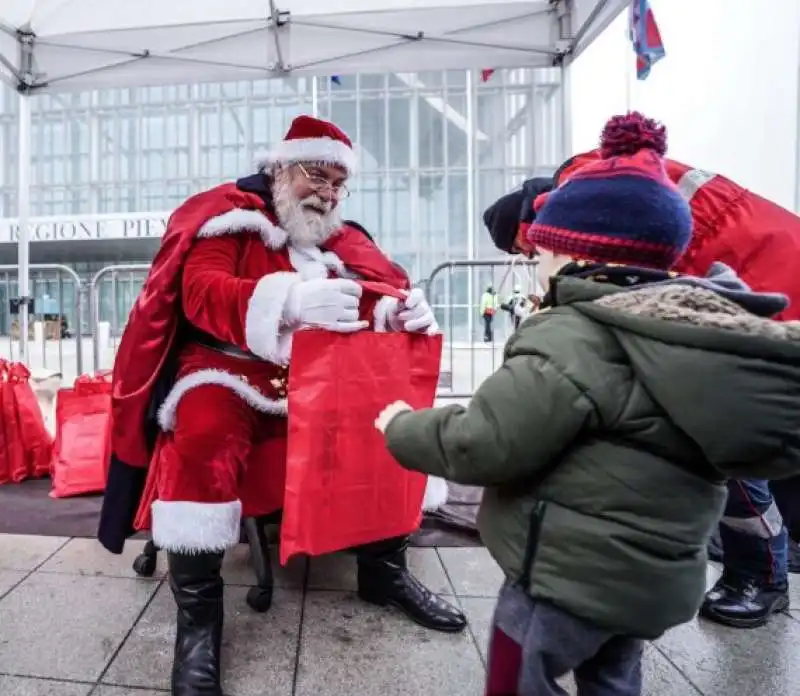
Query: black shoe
{"type": "Point", "coordinates": [196, 584]}
{"type": "Point", "coordinates": [384, 579]}
{"type": "Point", "coordinates": [743, 604]}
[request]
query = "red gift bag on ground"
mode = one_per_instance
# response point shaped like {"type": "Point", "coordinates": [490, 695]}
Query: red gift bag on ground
{"type": "Point", "coordinates": [14, 467]}
{"type": "Point", "coordinates": [37, 444]}
{"type": "Point", "coordinates": [343, 488]}
{"type": "Point", "coordinates": [83, 415]}
{"type": "Point", "coordinates": [6, 433]}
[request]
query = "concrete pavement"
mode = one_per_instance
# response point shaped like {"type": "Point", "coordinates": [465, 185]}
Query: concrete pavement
{"type": "Point", "coordinates": [75, 621]}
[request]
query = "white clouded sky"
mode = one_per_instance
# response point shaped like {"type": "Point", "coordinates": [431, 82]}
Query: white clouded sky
{"type": "Point", "coordinates": [727, 89]}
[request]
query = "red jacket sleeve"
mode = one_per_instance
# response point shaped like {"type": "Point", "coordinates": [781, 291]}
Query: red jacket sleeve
{"type": "Point", "coordinates": [214, 299]}
{"type": "Point", "coordinates": [247, 313]}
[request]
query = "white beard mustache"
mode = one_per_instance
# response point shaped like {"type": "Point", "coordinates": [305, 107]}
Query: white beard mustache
{"type": "Point", "coordinates": [301, 219]}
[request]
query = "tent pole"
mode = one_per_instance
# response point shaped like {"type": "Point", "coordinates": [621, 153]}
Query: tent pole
{"type": "Point", "coordinates": [797, 147]}
{"type": "Point", "coordinates": [566, 112]}
{"type": "Point", "coordinates": [470, 202]}
{"type": "Point", "coordinates": [23, 218]}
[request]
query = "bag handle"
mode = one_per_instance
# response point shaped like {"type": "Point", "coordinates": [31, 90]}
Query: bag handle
{"type": "Point", "coordinates": [97, 382]}
{"type": "Point", "coordinates": [382, 290]}
{"type": "Point", "coordinates": [17, 372]}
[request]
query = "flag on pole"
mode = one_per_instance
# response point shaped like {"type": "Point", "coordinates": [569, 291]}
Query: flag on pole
{"type": "Point", "coordinates": [336, 80]}
{"type": "Point", "coordinates": [646, 38]}
{"type": "Point", "coordinates": [486, 75]}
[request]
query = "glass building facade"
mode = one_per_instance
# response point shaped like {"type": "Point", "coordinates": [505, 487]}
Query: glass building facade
{"type": "Point", "coordinates": [435, 149]}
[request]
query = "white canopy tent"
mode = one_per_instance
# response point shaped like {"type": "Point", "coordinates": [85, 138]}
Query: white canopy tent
{"type": "Point", "coordinates": [48, 46]}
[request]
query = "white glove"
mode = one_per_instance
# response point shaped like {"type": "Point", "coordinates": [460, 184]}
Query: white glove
{"type": "Point", "coordinates": [388, 414]}
{"type": "Point", "coordinates": [414, 314]}
{"type": "Point", "coordinates": [330, 304]}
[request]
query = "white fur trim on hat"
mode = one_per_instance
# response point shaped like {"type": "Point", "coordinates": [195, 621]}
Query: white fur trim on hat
{"type": "Point", "coordinates": [167, 411]}
{"type": "Point", "coordinates": [181, 526]}
{"type": "Point", "coordinates": [244, 220]}
{"type": "Point", "coordinates": [322, 150]}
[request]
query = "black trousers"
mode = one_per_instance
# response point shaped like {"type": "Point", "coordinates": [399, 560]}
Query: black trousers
{"type": "Point", "coordinates": [488, 332]}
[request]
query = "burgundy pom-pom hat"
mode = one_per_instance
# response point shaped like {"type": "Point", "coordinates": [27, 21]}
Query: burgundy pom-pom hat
{"type": "Point", "coordinates": [314, 141]}
{"type": "Point", "coordinates": [620, 209]}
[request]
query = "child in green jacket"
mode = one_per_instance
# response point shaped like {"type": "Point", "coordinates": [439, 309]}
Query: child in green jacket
{"type": "Point", "coordinates": [605, 440]}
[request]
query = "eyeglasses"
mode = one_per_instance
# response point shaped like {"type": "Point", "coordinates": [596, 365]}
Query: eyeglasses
{"type": "Point", "coordinates": [319, 183]}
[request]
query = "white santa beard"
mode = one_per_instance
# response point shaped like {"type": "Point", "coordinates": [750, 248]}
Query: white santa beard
{"type": "Point", "coordinates": [304, 227]}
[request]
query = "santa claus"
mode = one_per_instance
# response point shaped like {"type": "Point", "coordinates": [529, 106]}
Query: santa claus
{"type": "Point", "coordinates": [199, 390]}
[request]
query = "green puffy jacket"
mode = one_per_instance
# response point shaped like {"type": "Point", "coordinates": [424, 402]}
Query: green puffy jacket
{"type": "Point", "coordinates": [605, 440]}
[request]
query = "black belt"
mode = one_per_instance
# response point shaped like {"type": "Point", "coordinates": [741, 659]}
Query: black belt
{"type": "Point", "coordinates": [206, 340]}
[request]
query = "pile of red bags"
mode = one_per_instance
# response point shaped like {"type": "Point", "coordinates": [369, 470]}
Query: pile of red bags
{"type": "Point", "coordinates": [25, 444]}
{"type": "Point", "coordinates": [83, 429]}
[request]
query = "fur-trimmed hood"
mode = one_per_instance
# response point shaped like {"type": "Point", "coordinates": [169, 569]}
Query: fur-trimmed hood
{"type": "Point", "coordinates": [727, 377]}
{"type": "Point", "coordinates": [700, 307]}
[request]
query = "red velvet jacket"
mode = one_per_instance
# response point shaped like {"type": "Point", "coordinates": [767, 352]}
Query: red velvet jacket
{"type": "Point", "coordinates": [755, 237]}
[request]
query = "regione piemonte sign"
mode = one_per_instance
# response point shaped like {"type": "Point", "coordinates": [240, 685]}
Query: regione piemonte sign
{"type": "Point", "coordinates": [87, 227]}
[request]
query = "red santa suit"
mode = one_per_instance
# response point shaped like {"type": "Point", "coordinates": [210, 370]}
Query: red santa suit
{"type": "Point", "coordinates": [211, 317]}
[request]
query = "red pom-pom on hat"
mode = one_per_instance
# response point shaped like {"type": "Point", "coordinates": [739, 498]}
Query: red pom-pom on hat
{"type": "Point", "coordinates": [628, 134]}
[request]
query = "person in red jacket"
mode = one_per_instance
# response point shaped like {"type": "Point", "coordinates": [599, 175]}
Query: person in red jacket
{"type": "Point", "coordinates": [205, 358]}
{"type": "Point", "coordinates": [760, 241]}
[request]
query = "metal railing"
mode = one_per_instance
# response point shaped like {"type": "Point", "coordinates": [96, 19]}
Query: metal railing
{"type": "Point", "coordinates": [114, 326]}
{"type": "Point", "coordinates": [52, 348]}
{"type": "Point", "coordinates": [469, 358]}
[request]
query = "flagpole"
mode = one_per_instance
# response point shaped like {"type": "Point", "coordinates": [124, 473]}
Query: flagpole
{"type": "Point", "coordinates": [630, 69]}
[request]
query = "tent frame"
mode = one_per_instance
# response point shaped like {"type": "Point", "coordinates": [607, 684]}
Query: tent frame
{"type": "Point", "coordinates": [28, 84]}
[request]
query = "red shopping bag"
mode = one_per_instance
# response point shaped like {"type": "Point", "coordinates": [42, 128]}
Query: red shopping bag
{"type": "Point", "coordinates": [5, 460]}
{"type": "Point", "coordinates": [343, 488]}
{"type": "Point", "coordinates": [36, 442]}
{"type": "Point", "coordinates": [83, 415]}
{"type": "Point", "coordinates": [16, 468]}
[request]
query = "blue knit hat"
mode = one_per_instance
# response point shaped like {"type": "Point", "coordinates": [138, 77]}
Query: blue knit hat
{"type": "Point", "coordinates": [620, 209]}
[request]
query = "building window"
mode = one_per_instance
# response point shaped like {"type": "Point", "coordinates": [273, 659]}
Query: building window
{"type": "Point", "coordinates": [423, 139]}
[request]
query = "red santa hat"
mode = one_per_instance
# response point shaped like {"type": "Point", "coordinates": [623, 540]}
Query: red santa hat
{"type": "Point", "coordinates": [311, 139]}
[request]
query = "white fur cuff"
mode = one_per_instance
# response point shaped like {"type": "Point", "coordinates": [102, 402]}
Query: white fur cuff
{"type": "Point", "coordinates": [187, 527]}
{"type": "Point", "coordinates": [264, 314]}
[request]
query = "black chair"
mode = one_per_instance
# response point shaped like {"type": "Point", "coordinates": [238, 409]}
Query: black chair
{"type": "Point", "coordinates": [259, 598]}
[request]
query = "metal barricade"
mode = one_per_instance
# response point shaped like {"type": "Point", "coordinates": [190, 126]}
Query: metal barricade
{"type": "Point", "coordinates": [119, 302]}
{"type": "Point", "coordinates": [54, 330]}
{"type": "Point", "coordinates": [469, 358]}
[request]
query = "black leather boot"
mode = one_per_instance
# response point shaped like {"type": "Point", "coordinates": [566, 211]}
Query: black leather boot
{"type": "Point", "coordinates": [384, 579]}
{"type": "Point", "coordinates": [743, 603]}
{"type": "Point", "coordinates": [196, 584]}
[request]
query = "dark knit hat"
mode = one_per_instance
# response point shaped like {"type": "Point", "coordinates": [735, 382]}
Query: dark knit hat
{"type": "Point", "coordinates": [508, 214]}
{"type": "Point", "coordinates": [620, 209]}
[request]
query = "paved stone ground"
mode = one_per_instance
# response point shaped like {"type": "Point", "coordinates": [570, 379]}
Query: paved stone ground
{"type": "Point", "coordinates": [75, 621]}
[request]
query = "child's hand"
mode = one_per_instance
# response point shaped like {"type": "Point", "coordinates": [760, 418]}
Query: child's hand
{"type": "Point", "coordinates": [387, 415]}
